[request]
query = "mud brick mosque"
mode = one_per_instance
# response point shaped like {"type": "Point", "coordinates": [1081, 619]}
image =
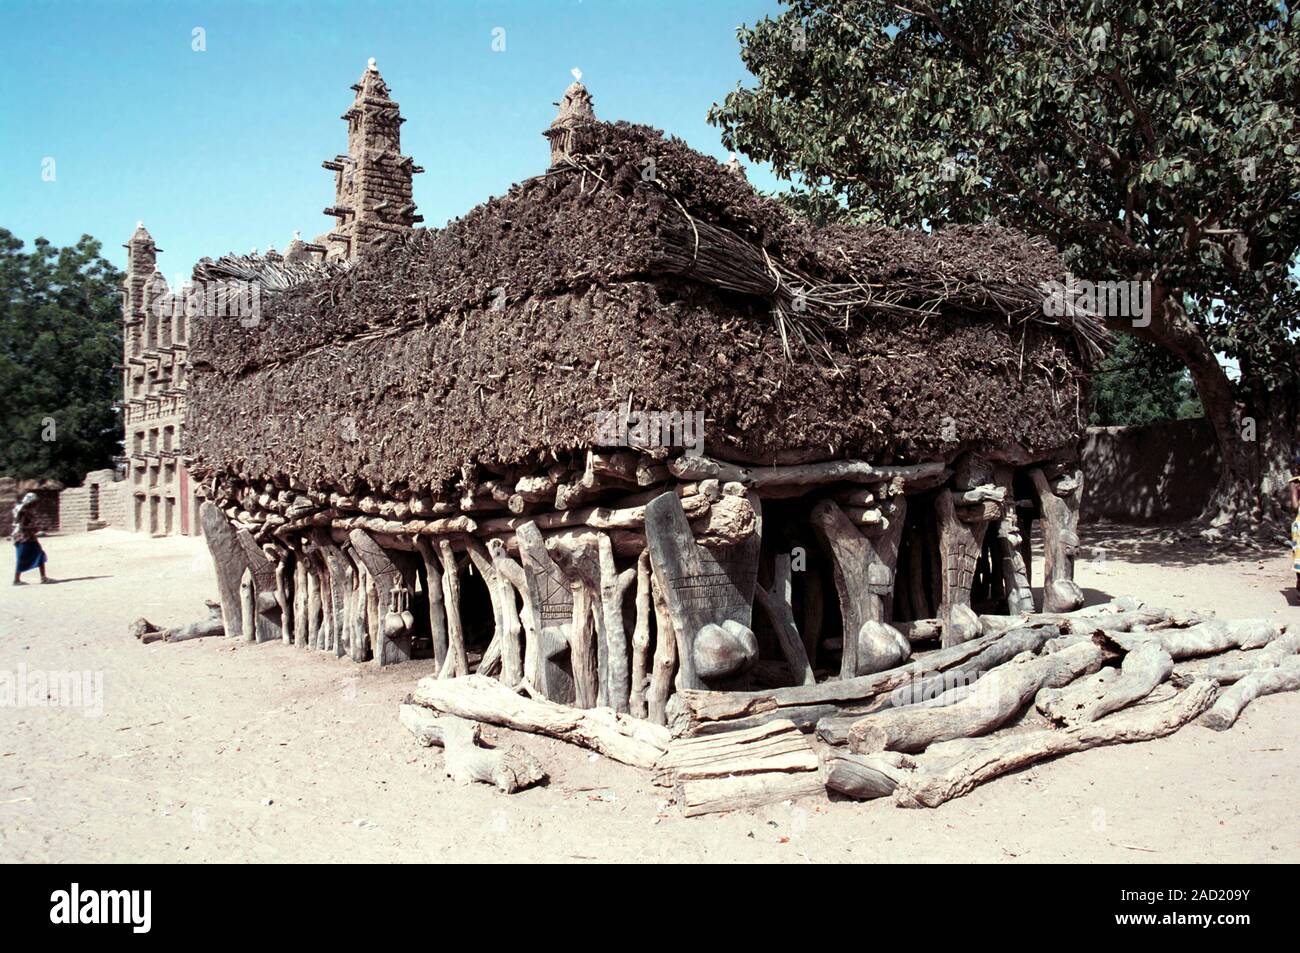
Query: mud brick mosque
{"type": "Point", "coordinates": [372, 198]}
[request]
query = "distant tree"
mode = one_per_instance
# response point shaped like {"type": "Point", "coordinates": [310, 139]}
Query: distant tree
{"type": "Point", "coordinates": [1140, 383]}
{"type": "Point", "coordinates": [60, 335]}
{"type": "Point", "coordinates": [1154, 141]}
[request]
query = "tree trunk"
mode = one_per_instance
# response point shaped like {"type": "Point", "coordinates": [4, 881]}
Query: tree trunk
{"type": "Point", "coordinates": [1253, 439]}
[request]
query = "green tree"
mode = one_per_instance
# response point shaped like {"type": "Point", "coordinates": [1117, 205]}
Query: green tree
{"type": "Point", "coordinates": [1140, 383]}
{"type": "Point", "coordinates": [1150, 141]}
{"type": "Point", "coordinates": [60, 336]}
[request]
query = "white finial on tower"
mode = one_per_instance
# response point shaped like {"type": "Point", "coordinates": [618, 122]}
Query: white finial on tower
{"type": "Point", "coordinates": [370, 65]}
{"type": "Point", "coordinates": [140, 224]}
{"type": "Point", "coordinates": [297, 235]}
{"type": "Point", "coordinates": [577, 74]}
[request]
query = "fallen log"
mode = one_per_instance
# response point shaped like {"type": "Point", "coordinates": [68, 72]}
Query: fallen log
{"type": "Point", "coordinates": [147, 632]}
{"type": "Point", "coordinates": [199, 629]}
{"type": "Point", "coordinates": [1089, 699]}
{"type": "Point", "coordinates": [1205, 638]}
{"type": "Point", "coordinates": [998, 696]}
{"type": "Point", "coordinates": [1236, 664]}
{"type": "Point", "coordinates": [804, 717]}
{"type": "Point", "coordinates": [689, 709]}
{"type": "Point", "coordinates": [479, 698]}
{"type": "Point", "coordinates": [508, 769]}
{"type": "Point", "coordinates": [1284, 677]}
{"type": "Point", "coordinates": [934, 689]}
{"type": "Point", "coordinates": [863, 776]}
{"type": "Point", "coordinates": [949, 771]}
{"type": "Point", "coordinates": [742, 792]}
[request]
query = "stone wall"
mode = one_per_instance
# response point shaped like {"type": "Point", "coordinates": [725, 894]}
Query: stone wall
{"type": "Point", "coordinates": [1157, 473]}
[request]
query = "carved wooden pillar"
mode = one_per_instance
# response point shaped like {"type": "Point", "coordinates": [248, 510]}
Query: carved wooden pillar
{"type": "Point", "coordinates": [264, 626]}
{"type": "Point", "coordinates": [708, 592]}
{"type": "Point", "coordinates": [864, 580]}
{"type": "Point", "coordinates": [547, 634]}
{"type": "Point", "coordinates": [394, 622]}
{"type": "Point", "coordinates": [229, 561]}
{"type": "Point", "coordinates": [960, 545]}
{"type": "Point", "coordinates": [1015, 573]}
{"type": "Point", "coordinates": [1059, 501]}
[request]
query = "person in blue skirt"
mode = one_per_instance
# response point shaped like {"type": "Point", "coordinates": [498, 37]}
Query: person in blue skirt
{"type": "Point", "coordinates": [26, 545]}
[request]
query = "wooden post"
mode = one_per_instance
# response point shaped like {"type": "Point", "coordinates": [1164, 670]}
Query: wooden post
{"type": "Point", "coordinates": [1059, 501]}
{"type": "Point", "coordinates": [665, 658]}
{"type": "Point", "coordinates": [451, 596]}
{"type": "Point", "coordinates": [864, 575]}
{"type": "Point", "coordinates": [229, 561]}
{"type": "Point", "coordinates": [703, 587]}
{"type": "Point", "coordinates": [437, 607]}
{"type": "Point", "coordinates": [551, 598]}
{"type": "Point", "coordinates": [960, 545]}
{"type": "Point", "coordinates": [392, 623]}
{"type": "Point", "coordinates": [510, 577]}
{"type": "Point", "coordinates": [778, 603]}
{"type": "Point", "coordinates": [265, 624]}
{"type": "Point", "coordinates": [640, 636]}
{"type": "Point", "coordinates": [1015, 574]}
{"type": "Point", "coordinates": [613, 587]}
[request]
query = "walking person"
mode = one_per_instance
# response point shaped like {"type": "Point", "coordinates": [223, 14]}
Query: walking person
{"type": "Point", "coordinates": [26, 546]}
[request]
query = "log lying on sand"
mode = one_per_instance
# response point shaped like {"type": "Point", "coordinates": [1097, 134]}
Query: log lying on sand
{"type": "Point", "coordinates": [200, 628]}
{"type": "Point", "coordinates": [480, 698]}
{"type": "Point", "coordinates": [740, 792]}
{"type": "Point", "coordinates": [936, 688]}
{"type": "Point", "coordinates": [1235, 665]}
{"type": "Point", "coordinates": [1265, 681]}
{"type": "Point", "coordinates": [508, 769]}
{"type": "Point", "coordinates": [690, 710]}
{"type": "Point", "coordinates": [863, 776]}
{"type": "Point", "coordinates": [146, 631]}
{"type": "Point", "coordinates": [1091, 698]}
{"type": "Point", "coordinates": [1205, 638]}
{"type": "Point", "coordinates": [955, 768]}
{"type": "Point", "coordinates": [998, 696]}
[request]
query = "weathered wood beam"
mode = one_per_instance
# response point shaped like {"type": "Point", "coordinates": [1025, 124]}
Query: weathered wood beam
{"type": "Point", "coordinates": [478, 698]}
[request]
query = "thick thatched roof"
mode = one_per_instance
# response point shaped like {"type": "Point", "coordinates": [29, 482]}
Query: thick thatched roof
{"type": "Point", "coordinates": [639, 271]}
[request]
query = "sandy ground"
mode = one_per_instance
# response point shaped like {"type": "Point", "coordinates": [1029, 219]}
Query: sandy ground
{"type": "Point", "coordinates": [213, 750]}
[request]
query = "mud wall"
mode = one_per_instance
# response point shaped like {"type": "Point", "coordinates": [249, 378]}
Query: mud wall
{"type": "Point", "coordinates": [1157, 473]}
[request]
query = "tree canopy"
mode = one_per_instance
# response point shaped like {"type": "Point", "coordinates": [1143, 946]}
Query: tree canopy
{"type": "Point", "coordinates": [1155, 142]}
{"type": "Point", "coordinates": [60, 336]}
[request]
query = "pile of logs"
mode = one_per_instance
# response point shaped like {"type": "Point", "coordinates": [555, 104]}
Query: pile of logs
{"type": "Point", "coordinates": [1027, 688]}
{"type": "Point", "coordinates": [624, 577]}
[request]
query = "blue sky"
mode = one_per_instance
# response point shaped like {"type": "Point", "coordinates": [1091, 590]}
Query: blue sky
{"type": "Point", "coordinates": [220, 150]}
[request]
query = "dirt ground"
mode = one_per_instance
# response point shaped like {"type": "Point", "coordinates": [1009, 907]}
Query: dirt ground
{"type": "Point", "coordinates": [214, 750]}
